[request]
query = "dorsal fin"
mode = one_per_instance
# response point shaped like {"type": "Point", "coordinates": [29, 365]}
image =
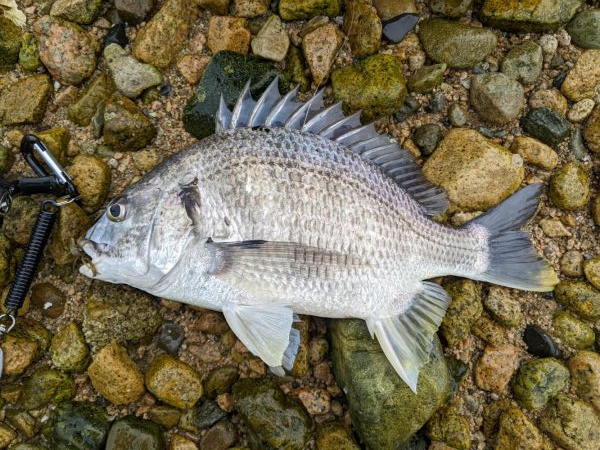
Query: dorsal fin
{"type": "Point", "coordinates": [274, 110]}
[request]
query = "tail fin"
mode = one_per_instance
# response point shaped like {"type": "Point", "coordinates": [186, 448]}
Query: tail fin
{"type": "Point", "coordinates": [512, 260]}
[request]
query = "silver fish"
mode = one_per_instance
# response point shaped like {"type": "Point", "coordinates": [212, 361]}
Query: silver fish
{"type": "Point", "coordinates": [294, 208]}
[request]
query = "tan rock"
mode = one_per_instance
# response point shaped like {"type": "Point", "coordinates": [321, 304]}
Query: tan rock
{"type": "Point", "coordinates": [596, 209]}
{"type": "Point", "coordinates": [228, 33]}
{"type": "Point", "coordinates": [551, 98]}
{"type": "Point", "coordinates": [388, 9]}
{"type": "Point", "coordinates": [19, 353]}
{"type": "Point", "coordinates": [72, 223]}
{"type": "Point", "coordinates": [554, 228]}
{"type": "Point", "coordinates": [517, 432]}
{"type": "Point", "coordinates": [320, 47]}
{"type": "Point", "coordinates": [585, 376]}
{"type": "Point", "coordinates": [173, 382]}
{"type": "Point", "coordinates": [178, 442]}
{"type": "Point", "coordinates": [584, 77]}
{"type": "Point", "coordinates": [535, 152]}
{"type": "Point", "coordinates": [272, 41]}
{"type": "Point", "coordinates": [219, 7]}
{"type": "Point", "coordinates": [591, 132]}
{"type": "Point", "coordinates": [581, 110]}
{"type": "Point", "coordinates": [91, 176]}
{"type": "Point", "coordinates": [191, 67]}
{"type": "Point", "coordinates": [249, 8]}
{"type": "Point", "coordinates": [496, 367]}
{"type": "Point", "coordinates": [571, 264]}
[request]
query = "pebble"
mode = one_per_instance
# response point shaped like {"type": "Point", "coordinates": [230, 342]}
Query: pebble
{"type": "Point", "coordinates": [10, 43]}
{"type": "Point", "coordinates": [249, 8]}
{"type": "Point", "coordinates": [517, 431]}
{"type": "Point", "coordinates": [25, 100]}
{"type": "Point", "coordinates": [206, 414]}
{"type": "Point", "coordinates": [457, 115]}
{"type": "Point", "coordinates": [115, 376]}
{"type": "Point", "coordinates": [130, 76]}
{"type": "Point", "coordinates": [546, 125]}
{"type": "Point", "coordinates": [580, 297]}
{"type": "Point", "coordinates": [591, 131]}
{"type": "Point", "coordinates": [72, 223]}
{"type": "Point", "coordinates": [363, 28]}
{"type": "Point", "coordinates": [82, 12]}
{"type": "Point", "coordinates": [535, 152]}
{"type": "Point", "coordinates": [173, 382]}
{"type": "Point", "coordinates": [573, 332]}
{"type": "Point", "coordinates": [29, 54]}
{"type": "Point", "coordinates": [539, 343]}
{"type": "Point", "coordinates": [320, 47]}
{"type": "Point", "coordinates": [126, 127]}
{"type": "Point", "coordinates": [93, 96]}
{"type": "Point", "coordinates": [591, 268]}
{"type": "Point", "coordinates": [307, 9]}
{"type": "Point", "coordinates": [570, 186]}
{"type": "Point", "coordinates": [84, 423]}
{"type": "Point", "coordinates": [524, 62]}
{"type": "Point", "coordinates": [584, 28]}
{"type": "Point", "coordinates": [272, 41]}
{"type": "Point", "coordinates": [170, 338]}
{"type": "Point", "coordinates": [437, 103]}
{"type": "Point", "coordinates": [571, 264]}
{"type": "Point", "coordinates": [583, 78]}
{"type": "Point", "coordinates": [131, 432]}
{"type": "Point", "coordinates": [503, 306]}
{"type": "Point", "coordinates": [91, 176]}
{"type": "Point", "coordinates": [396, 28]}
{"type": "Point", "coordinates": [68, 349]}
{"type": "Point", "coordinates": [550, 98]}
{"type": "Point", "coordinates": [450, 8]}
{"type": "Point", "coordinates": [449, 427]}
{"type": "Point", "coordinates": [476, 173]}
{"type": "Point", "coordinates": [581, 110]}
{"type": "Point", "coordinates": [228, 33]}
{"type": "Point", "coordinates": [335, 436]}
{"type": "Point", "coordinates": [47, 386]}
{"type": "Point", "coordinates": [219, 381]}
{"type": "Point", "coordinates": [497, 98]}
{"type": "Point", "coordinates": [528, 16]}
{"type": "Point", "coordinates": [315, 400]}
{"type": "Point", "coordinates": [410, 106]}
{"type": "Point", "coordinates": [554, 228]}
{"type": "Point", "coordinates": [427, 137]}
{"type": "Point", "coordinates": [538, 381]}
{"type": "Point", "coordinates": [585, 376]}
{"type": "Point", "coordinates": [496, 367]}
{"type": "Point", "coordinates": [219, 437]}
{"type": "Point", "coordinates": [426, 79]}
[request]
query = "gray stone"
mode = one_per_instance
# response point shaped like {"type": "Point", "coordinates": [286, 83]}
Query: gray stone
{"type": "Point", "coordinates": [133, 11]}
{"type": "Point", "coordinates": [130, 76]}
{"type": "Point", "coordinates": [524, 62]}
{"type": "Point", "coordinates": [497, 98]}
{"type": "Point", "coordinates": [427, 137]}
{"type": "Point", "coordinates": [584, 29]}
{"type": "Point", "coordinates": [272, 41]}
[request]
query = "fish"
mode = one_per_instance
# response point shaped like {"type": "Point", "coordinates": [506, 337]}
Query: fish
{"type": "Point", "coordinates": [294, 208]}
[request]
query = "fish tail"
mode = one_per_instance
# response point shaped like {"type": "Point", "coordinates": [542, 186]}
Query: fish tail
{"type": "Point", "coordinates": [512, 259]}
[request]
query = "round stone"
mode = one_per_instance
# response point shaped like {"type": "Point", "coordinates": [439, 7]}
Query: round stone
{"type": "Point", "coordinates": [173, 382]}
{"type": "Point", "coordinates": [524, 62]}
{"type": "Point", "coordinates": [571, 263]}
{"type": "Point", "coordinates": [427, 137]}
{"type": "Point", "coordinates": [572, 331]}
{"type": "Point", "coordinates": [535, 152]}
{"type": "Point", "coordinates": [538, 381]}
{"type": "Point", "coordinates": [580, 297]}
{"type": "Point", "coordinates": [78, 425]}
{"type": "Point", "coordinates": [581, 110]}
{"type": "Point", "coordinates": [68, 349]}
{"type": "Point", "coordinates": [591, 268]}
{"type": "Point", "coordinates": [570, 186]}
{"type": "Point", "coordinates": [584, 28]}
{"type": "Point", "coordinates": [132, 432]}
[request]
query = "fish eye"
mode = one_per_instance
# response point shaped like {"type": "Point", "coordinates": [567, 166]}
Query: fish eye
{"type": "Point", "coordinates": [116, 212]}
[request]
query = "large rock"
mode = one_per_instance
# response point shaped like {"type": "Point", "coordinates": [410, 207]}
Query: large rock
{"type": "Point", "coordinates": [538, 15]}
{"type": "Point", "coordinates": [79, 11]}
{"type": "Point", "coordinates": [10, 43]}
{"type": "Point", "coordinates": [91, 176]}
{"type": "Point", "coordinates": [584, 77]}
{"type": "Point", "coordinates": [476, 172]}
{"type": "Point", "coordinates": [451, 8]}
{"type": "Point", "coordinates": [130, 76]}
{"type": "Point", "coordinates": [584, 29]}
{"type": "Point", "coordinates": [133, 11]}
{"type": "Point", "coordinates": [132, 432]}
{"type": "Point", "coordinates": [496, 97]}
{"type": "Point", "coordinates": [591, 132]}
{"type": "Point", "coordinates": [374, 85]}
{"type": "Point", "coordinates": [524, 62]}
{"type": "Point", "coordinates": [516, 431]}
{"type": "Point", "coordinates": [538, 381]}
{"type": "Point", "coordinates": [125, 125]}
{"type": "Point", "coordinates": [173, 382]}
{"type": "Point", "coordinates": [320, 46]}
{"type": "Point", "coordinates": [570, 186]}
{"type": "Point", "coordinates": [306, 9]}
{"type": "Point", "coordinates": [455, 43]}
{"type": "Point", "coordinates": [78, 426]}
{"type": "Point", "coordinates": [66, 49]}
{"type": "Point", "coordinates": [25, 100]}
{"type": "Point", "coordinates": [226, 73]}
{"type": "Point", "coordinates": [580, 297]}
{"type": "Point", "coordinates": [585, 376]}
{"type": "Point", "coordinates": [385, 412]}
{"type": "Point", "coordinates": [363, 28]}
{"type": "Point", "coordinates": [93, 96]}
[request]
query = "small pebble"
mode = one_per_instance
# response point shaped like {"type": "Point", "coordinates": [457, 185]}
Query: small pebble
{"type": "Point", "coordinates": [540, 343]}
{"type": "Point", "coordinates": [395, 29]}
{"type": "Point", "coordinates": [581, 110]}
{"type": "Point", "coordinates": [170, 338]}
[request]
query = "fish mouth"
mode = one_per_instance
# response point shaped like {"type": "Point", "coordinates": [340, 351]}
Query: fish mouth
{"type": "Point", "coordinates": [92, 253]}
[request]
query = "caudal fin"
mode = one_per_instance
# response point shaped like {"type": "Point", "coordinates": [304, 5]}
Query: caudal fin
{"type": "Point", "coordinates": [512, 260]}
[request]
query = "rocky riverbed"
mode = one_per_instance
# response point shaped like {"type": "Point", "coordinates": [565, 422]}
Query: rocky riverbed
{"type": "Point", "coordinates": [488, 95]}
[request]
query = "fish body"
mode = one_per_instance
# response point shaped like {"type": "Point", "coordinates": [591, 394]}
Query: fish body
{"type": "Point", "coordinates": [315, 214]}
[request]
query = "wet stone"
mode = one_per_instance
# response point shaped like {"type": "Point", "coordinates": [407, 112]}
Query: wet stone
{"type": "Point", "coordinates": [219, 437]}
{"type": "Point", "coordinates": [165, 415]}
{"type": "Point", "coordinates": [306, 9]}
{"type": "Point", "coordinates": [427, 137]}
{"type": "Point", "coordinates": [29, 55]}
{"type": "Point", "coordinates": [427, 78]}
{"type": "Point", "coordinates": [524, 62]}
{"type": "Point", "coordinates": [68, 349]}
{"type": "Point", "coordinates": [591, 269]}
{"type": "Point", "coordinates": [363, 28]}
{"type": "Point", "coordinates": [583, 78]}
{"type": "Point", "coordinates": [25, 100]}
{"type": "Point", "coordinates": [585, 376]}
{"type": "Point", "coordinates": [77, 425]}
{"type": "Point", "coordinates": [540, 343]}
{"type": "Point", "coordinates": [570, 186]}
{"type": "Point", "coordinates": [126, 128]}
{"type": "Point", "coordinates": [170, 338]}
{"type": "Point", "coordinates": [97, 91]}
{"type": "Point", "coordinates": [335, 436]}
{"type": "Point", "coordinates": [203, 416]}
{"type": "Point", "coordinates": [497, 98]}
{"type": "Point", "coordinates": [572, 331]}
{"type": "Point", "coordinates": [538, 381]}
{"type": "Point", "coordinates": [219, 380]}
{"type": "Point", "coordinates": [173, 382]}
{"type": "Point", "coordinates": [79, 11]}
{"type": "Point", "coordinates": [132, 432]}
{"type": "Point", "coordinates": [584, 28]}
{"type": "Point", "coordinates": [133, 11]}
{"type": "Point", "coordinates": [528, 16]}
{"type": "Point", "coordinates": [47, 386]}
{"type": "Point", "coordinates": [130, 76]}
{"type": "Point", "coordinates": [396, 28]}
{"type": "Point", "coordinates": [546, 125]}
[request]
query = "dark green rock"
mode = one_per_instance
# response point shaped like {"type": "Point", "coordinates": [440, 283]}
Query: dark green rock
{"type": "Point", "coordinates": [374, 85]}
{"type": "Point", "coordinates": [570, 186]}
{"type": "Point", "coordinates": [537, 15]}
{"type": "Point", "coordinates": [427, 78]}
{"type": "Point", "coordinates": [455, 43]}
{"type": "Point", "coordinates": [385, 412]}
{"type": "Point", "coordinates": [202, 416]}
{"type": "Point", "coordinates": [294, 68]}
{"type": "Point", "coordinates": [94, 95]}
{"type": "Point", "coordinates": [463, 311]}
{"type": "Point", "coordinates": [166, 416]}
{"type": "Point", "coordinates": [47, 386]}
{"type": "Point", "coordinates": [29, 55]}
{"type": "Point", "coordinates": [538, 381]}
{"type": "Point", "coordinates": [580, 297]}
{"type": "Point", "coordinates": [449, 427]}
{"type": "Point", "coordinates": [450, 8]}
{"type": "Point", "coordinates": [274, 420]}
{"type": "Point", "coordinates": [133, 432]}
{"type": "Point", "coordinates": [428, 136]}
{"type": "Point", "coordinates": [306, 9]}
{"type": "Point", "coordinates": [227, 74]}
{"type": "Point", "coordinates": [125, 125]}
{"type": "Point", "coordinates": [572, 331]}
{"type": "Point", "coordinates": [220, 380]}
{"type": "Point", "coordinates": [7, 159]}
{"type": "Point", "coordinates": [546, 125]}
{"type": "Point", "coordinates": [10, 43]}
{"type": "Point", "coordinates": [585, 28]}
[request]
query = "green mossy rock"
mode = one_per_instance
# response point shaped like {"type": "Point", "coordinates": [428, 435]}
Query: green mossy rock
{"type": "Point", "coordinates": [10, 43]}
{"type": "Point", "coordinates": [29, 55]}
{"type": "Point", "coordinates": [580, 297]}
{"type": "Point", "coordinates": [94, 95]}
{"type": "Point", "coordinates": [570, 186]}
{"type": "Point", "coordinates": [133, 432]}
{"type": "Point", "coordinates": [335, 436]}
{"type": "Point", "coordinates": [572, 331]}
{"type": "Point", "coordinates": [449, 427]}
{"type": "Point", "coordinates": [538, 381]}
{"type": "Point", "coordinates": [203, 416]}
{"type": "Point", "coordinates": [72, 224]}
{"type": "Point", "coordinates": [173, 382]}
{"type": "Point", "coordinates": [591, 269]}
{"type": "Point", "coordinates": [517, 432]}
{"type": "Point", "coordinates": [524, 62]}
{"type": "Point", "coordinates": [7, 159]}
{"type": "Point", "coordinates": [22, 217]}
{"type": "Point", "coordinates": [79, 11]}
{"type": "Point", "coordinates": [78, 426]}
{"type": "Point", "coordinates": [25, 100]}
{"type": "Point", "coordinates": [57, 140]}
{"type": "Point", "coordinates": [126, 127]}
{"type": "Point", "coordinates": [68, 349]}
{"type": "Point", "coordinates": [427, 78]}
{"type": "Point", "coordinates": [22, 421]}
{"type": "Point", "coordinates": [47, 386]}
{"type": "Point", "coordinates": [294, 68]}
{"type": "Point", "coordinates": [91, 176]}
{"type": "Point", "coordinates": [584, 29]}
{"type": "Point", "coordinates": [529, 15]}
{"type": "Point", "coordinates": [165, 415]}
{"type": "Point", "coordinates": [306, 9]}
{"type": "Point", "coordinates": [464, 310]}
{"type": "Point", "coordinates": [450, 8]}
{"type": "Point", "coordinates": [219, 380]}
{"type": "Point", "coordinates": [7, 435]}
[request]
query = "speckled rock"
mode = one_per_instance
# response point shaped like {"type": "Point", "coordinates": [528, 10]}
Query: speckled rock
{"type": "Point", "coordinates": [158, 42]}
{"type": "Point", "coordinates": [549, 98]}
{"type": "Point", "coordinates": [79, 11]}
{"type": "Point", "coordinates": [68, 349]}
{"type": "Point", "coordinates": [203, 416]}
{"type": "Point", "coordinates": [132, 432]}
{"type": "Point", "coordinates": [571, 423]}
{"type": "Point", "coordinates": [516, 431]}
{"type": "Point", "coordinates": [455, 43]}
{"type": "Point", "coordinates": [219, 380]}
{"type": "Point", "coordinates": [450, 8]}
{"type": "Point", "coordinates": [25, 100]}
{"type": "Point", "coordinates": [505, 308]}
{"type": "Point", "coordinates": [496, 97]}
{"type": "Point", "coordinates": [539, 15]}
{"type": "Point", "coordinates": [10, 43]}
{"type": "Point", "coordinates": [464, 309]}
{"type": "Point", "coordinates": [585, 376]}
{"type": "Point", "coordinates": [476, 172]}
{"type": "Point", "coordinates": [580, 297]}
{"type": "Point", "coordinates": [218, 7]}
{"type": "Point", "coordinates": [165, 415]}
{"type": "Point", "coordinates": [125, 125]}
{"type": "Point", "coordinates": [221, 436]}
{"type": "Point", "coordinates": [546, 125]}
{"type": "Point", "coordinates": [524, 62]}
{"type": "Point", "coordinates": [496, 367]}
{"type": "Point", "coordinates": [78, 426]}
{"type": "Point", "coordinates": [66, 49]}
{"type": "Point", "coordinates": [570, 186]}
{"type": "Point", "coordinates": [23, 346]}
{"type": "Point", "coordinates": [306, 9]}
{"type": "Point", "coordinates": [591, 132]}
{"type": "Point", "coordinates": [173, 382]}
{"type": "Point", "coordinates": [581, 110]}
{"type": "Point", "coordinates": [386, 413]}
{"type": "Point", "coordinates": [591, 269]}
{"type": "Point", "coordinates": [335, 436]}
{"type": "Point", "coordinates": [584, 28]}
{"type": "Point", "coordinates": [23, 214]}
{"type": "Point", "coordinates": [449, 427]}
{"type": "Point", "coordinates": [535, 152]}
{"type": "Point", "coordinates": [363, 28]}
{"type": "Point", "coordinates": [130, 76]}
{"type": "Point", "coordinates": [272, 41]}
{"type": "Point", "coordinates": [96, 92]}
{"type": "Point", "coordinates": [571, 263]}
{"type": "Point", "coordinates": [320, 47]}
{"type": "Point", "coordinates": [29, 55]}
{"type": "Point", "coordinates": [249, 8]}
{"type": "Point", "coordinates": [72, 223]}
{"type": "Point", "coordinates": [47, 386]}
{"type": "Point", "coordinates": [572, 331]}
{"type": "Point", "coordinates": [228, 33]}
{"type": "Point", "coordinates": [273, 419]}
{"type": "Point", "coordinates": [427, 78]}
{"type": "Point", "coordinates": [583, 78]}
{"type": "Point", "coordinates": [91, 176]}
{"type": "Point", "coordinates": [538, 381]}
{"type": "Point", "coordinates": [374, 85]}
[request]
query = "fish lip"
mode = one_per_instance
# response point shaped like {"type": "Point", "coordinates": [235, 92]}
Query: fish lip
{"type": "Point", "coordinates": [94, 251]}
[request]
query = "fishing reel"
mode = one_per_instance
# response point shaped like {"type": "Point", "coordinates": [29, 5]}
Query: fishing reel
{"type": "Point", "coordinates": [51, 179]}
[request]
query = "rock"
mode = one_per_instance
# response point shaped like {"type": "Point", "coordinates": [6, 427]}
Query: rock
{"type": "Point", "coordinates": [539, 343]}
{"type": "Point", "coordinates": [29, 55]}
{"type": "Point", "coordinates": [115, 376]}
{"type": "Point", "coordinates": [98, 90]}
{"type": "Point", "coordinates": [57, 140]}
{"type": "Point", "coordinates": [571, 423]}
{"type": "Point", "coordinates": [306, 9]}
{"type": "Point", "coordinates": [450, 8]}
{"type": "Point", "coordinates": [165, 415]}
{"type": "Point", "coordinates": [72, 223]}
{"type": "Point", "coordinates": [25, 100]}
{"type": "Point", "coordinates": [125, 315]}
{"type": "Point", "coordinates": [591, 269]}
{"type": "Point", "coordinates": [21, 421]}
{"type": "Point", "coordinates": [457, 115]}
{"type": "Point", "coordinates": [374, 85]}
{"type": "Point", "coordinates": [218, 7]}
{"type": "Point", "coordinates": [301, 363]}
{"type": "Point", "coordinates": [428, 136]}
{"type": "Point", "coordinates": [535, 152]}
{"type": "Point", "coordinates": [449, 427]}
{"type": "Point", "coordinates": [573, 332]}
{"type": "Point", "coordinates": [386, 413]}
{"type": "Point", "coordinates": [173, 382]}
{"type": "Point", "coordinates": [580, 297]}
{"type": "Point", "coordinates": [132, 432]}
{"type": "Point", "coordinates": [395, 29]}
{"type": "Point", "coordinates": [363, 28]}
{"type": "Point", "coordinates": [201, 417]}
{"type": "Point", "coordinates": [320, 47]}
{"type": "Point", "coordinates": [315, 400]}
{"type": "Point", "coordinates": [180, 443]}
{"type": "Point", "coordinates": [570, 186]}
{"type": "Point", "coordinates": [117, 34]}
{"type": "Point", "coordinates": [538, 381]}
{"type": "Point", "coordinates": [554, 228]}
{"type": "Point", "coordinates": [212, 322]}
{"type": "Point", "coordinates": [464, 309]}
{"type": "Point", "coordinates": [79, 11]}
{"type": "Point", "coordinates": [220, 437]}
{"type": "Point", "coordinates": [581, 110]}
{"type": "Point", "coordinates": [583, 78]}
{"type": "Point", "coordinates": [335, 436]}
{"type": "Point", "coordinates": [524, 62]}
{"type": "Point", "coordinates": [596, 209]}
{"type": "Point", "coordinates": [388, 9]}
{"type": "Point", "coordinates": [227, 73]}
{"type": "Point", "coordinates": [272, 41]}
{"type": "Point", "coordinates": [294, 69]}
{"type": "Point", "coordinates": [77, 425]}
{"type": "Point", "coordinates": [496, 367]}
{"type": "Point", "coordinates": [66, 49]}
{"type": "Point", "coordinates": [546, 125]}
{"type": "Point", "coordinates": [455, 43]}
{"type": "Point", "coordinates": [7, 435]}
{"type": "Point", "coordinates": [8, 262]}
{"type": "Point", "coordinates": [220, 380]}
{"type": "Point", "coordinates": [571, 263]}
{"type": "Point", "coordinates": [541, 15]}
{"type": "Point", "coordinates": [584, 28]}
{"type": "Point", "coordinates": [496, 97]}
{"type": "Point", "coordinates": [585, 376]}
{"type": "Point", "coordinates": [550, 98]}
{"type": "Point", "coordinates": [131, 77]}
{"type": "Point", "coordinates": [191, 67]}
{"type": "Point", "coordinates": [591, 132]}
{"type": "Point", "coordinates": [10, 43]}
{"type": "Point", "coordinates": [476, 173]}
{"type": "Point", "coordinates": [68, 349]}
{"type": "Point", "coordinates": [23, 214]}
{"type": "Point", "coordinates": [26, 342]}
{"type": "Point", "coordinates": [503, 307]}
{"type": "Point", "coordinates": [126, 127]}
{"type": "Point", "coordinates": [7, 159]}
{"type": "Point", "coordinates": [228, 33]}
{"type": "Point", "coordinates": [133, 11]}
{"type": "Point", "coordinates": [47, 386]}
{"type": "Point", "coordinates": [159, 41]}
{"type": "Point", "coordinates": [249, 8]}
{"type": "Point", "coordinates": [517, 431]}
{"type": "Point", "coordinates": [426, 79]}
{"type": "Point", "coordinates": [170, 338]}
{"type": "Point", "coordinates": [489, 331]}
{"type": "Point", "coordinates": [91, 176]}
{"type": "Point", "coordinates": [273, 419]}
